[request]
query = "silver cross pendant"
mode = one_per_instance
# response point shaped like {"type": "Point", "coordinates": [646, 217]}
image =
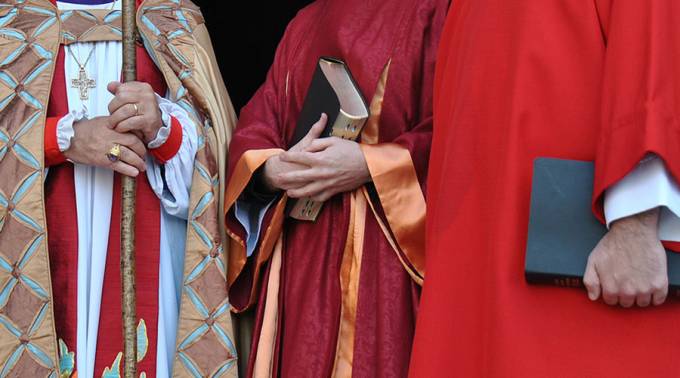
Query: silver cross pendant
{"type": "Point", "coordinates": [83, 83]}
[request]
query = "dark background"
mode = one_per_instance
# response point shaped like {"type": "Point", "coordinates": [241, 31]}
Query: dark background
{"type": "Point", "coordinates": [245, 35]}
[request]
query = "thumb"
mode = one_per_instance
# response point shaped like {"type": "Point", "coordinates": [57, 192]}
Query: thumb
{"type": "Point", "coordinates": [591, 280]}
{"type": "Point", "coordinates": [113, 87]}
{"type": "Point", "coordinates": [313, 134]}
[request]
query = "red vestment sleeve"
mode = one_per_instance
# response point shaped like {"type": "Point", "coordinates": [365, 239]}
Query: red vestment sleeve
{"type": "Point", "coordinates": [398, 163]}
{"type": "Point", "coordinates": [53, 156]}
{"type": "Point", "coordinates": [259, 134]}
{"type": "Point", "coordinates": [640, 90]}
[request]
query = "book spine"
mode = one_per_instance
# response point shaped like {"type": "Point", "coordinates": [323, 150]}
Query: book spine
{"type": "Point", "coordinates": [347, 128]}
{"type": "Point", "coordinates": [553, 280]}
{"type": "Point", "coordinates": [561, 280]}
{"type": "Point", "coordinates": [306, 209]}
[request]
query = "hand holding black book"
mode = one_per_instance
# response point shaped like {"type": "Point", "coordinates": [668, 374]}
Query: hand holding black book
{"type": "Point", "coordinates": [334, 92]}
{"type": "Point", "coordinates": [562, 229]}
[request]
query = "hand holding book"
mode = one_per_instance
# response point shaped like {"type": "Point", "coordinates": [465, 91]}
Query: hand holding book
{"type": "Point", "coordinates": [335, 166]}
{"type": "Point", "coordinates": [628, 266]}
{"type": "Point", "coordinates": [567, 246]}
{"type": "Point", "coordinates": [317, 168]}
{"type": "Point", "coordinates": [275, 168]}
{"type": "Point", "coordinates": [332, 92]}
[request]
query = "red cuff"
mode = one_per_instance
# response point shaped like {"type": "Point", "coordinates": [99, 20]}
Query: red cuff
{"type": "Point", "coordinates": [53, 156]}
{"type": "Point", "coordinates": [169, 149]}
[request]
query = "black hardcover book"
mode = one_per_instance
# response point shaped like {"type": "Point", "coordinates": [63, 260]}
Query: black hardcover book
{"type": "Point", "coordinates": [332, 91]}
{"type": "Point", "coordinates": [562, 228]}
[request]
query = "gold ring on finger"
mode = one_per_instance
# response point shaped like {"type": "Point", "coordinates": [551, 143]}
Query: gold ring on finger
{"type": "Point", "coordinates": [114, 153]}
{"type": "Point", "coordinates": [136, 109]}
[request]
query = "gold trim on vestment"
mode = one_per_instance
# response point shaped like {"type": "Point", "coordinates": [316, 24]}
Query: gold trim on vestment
{"type": "Point", "coordinates": [178, 42]}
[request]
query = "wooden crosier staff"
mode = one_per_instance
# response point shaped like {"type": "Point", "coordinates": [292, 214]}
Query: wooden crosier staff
{"type": "Point", "coordinates": [127, 223]}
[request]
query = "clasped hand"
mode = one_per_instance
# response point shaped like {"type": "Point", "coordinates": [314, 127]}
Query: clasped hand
{"type": "Point", "coordinates": [134, 121]}
{"type": "Point", "coordinates": [317, 168]}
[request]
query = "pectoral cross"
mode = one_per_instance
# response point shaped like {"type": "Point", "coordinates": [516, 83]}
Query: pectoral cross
{"type": "Point", "coordinates": [83, 83]}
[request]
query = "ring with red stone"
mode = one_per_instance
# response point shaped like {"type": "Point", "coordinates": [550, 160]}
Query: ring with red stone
{"type": "Point", "coordinates": [114, 153]}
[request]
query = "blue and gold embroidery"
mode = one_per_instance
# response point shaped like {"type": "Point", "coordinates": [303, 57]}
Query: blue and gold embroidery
{"type": "Point", "coordinates": [114, 370]}
{"type": "Point", "coordinates": [142, 349]}
{"type": "Point", "coordinates": [67, 360]}
{"type": "Point", "coordinates": [142, 340]}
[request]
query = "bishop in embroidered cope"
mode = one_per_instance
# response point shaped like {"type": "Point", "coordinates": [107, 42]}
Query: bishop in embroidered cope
{"type": "Point", "coordinates": [59, 272]}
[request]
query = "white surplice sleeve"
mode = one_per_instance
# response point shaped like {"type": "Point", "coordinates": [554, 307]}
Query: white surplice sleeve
{"type": "Point", "coordinates": [647, 187]}
{"type": "Point", "coordinates": [172, 181]}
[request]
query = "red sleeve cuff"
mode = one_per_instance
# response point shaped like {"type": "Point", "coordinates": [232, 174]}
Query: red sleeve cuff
{"type": "Point", "coordinates": [53, 156]}
{"type": "Point", "coordinates": [649, 131]}
{"type": "Point", "coordinates": [169, 149]}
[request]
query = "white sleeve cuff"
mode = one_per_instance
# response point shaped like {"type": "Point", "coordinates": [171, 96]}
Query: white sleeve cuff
{"type": "Point", "coordinates": [172, 181]}
{"type": "Point", "coordinates": [166, 108]}
{"type": "Point", "coordinates": [647, 187]}
{"type": "Point", "coordinates": [65, 128]}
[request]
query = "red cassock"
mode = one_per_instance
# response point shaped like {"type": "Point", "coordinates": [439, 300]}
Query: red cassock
{"type": "Point", "coordinates": [516, 80]}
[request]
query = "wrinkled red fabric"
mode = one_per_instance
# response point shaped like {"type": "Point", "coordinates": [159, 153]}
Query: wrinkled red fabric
{"type": "Point", "coordinates": [516, 80]}
{"type": "Point", "coordinates": [366, 35]}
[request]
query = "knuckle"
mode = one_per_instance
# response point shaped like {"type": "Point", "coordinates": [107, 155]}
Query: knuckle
{"type": "Point", "coordinates": [610, 293]}
{"type": "Point", "coordinates": [643, 302]}
{"type": "Point", "coordinates": [610, 301]}
{"type": "Point", "coordinates": [628, 292]}
{"type": "Point", "coordinates": [659, 285]}
{"type": "Point", "coordinates": [277, 179]}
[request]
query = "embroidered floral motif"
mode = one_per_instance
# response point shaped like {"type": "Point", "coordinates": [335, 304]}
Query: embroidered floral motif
{"type": "Point", "coordinates": [142, 349]}
{"type": "Point", "coordinates": [67, 360]}
{"type": "Point", "coordinates": [114, 370]}
{"type": "Point", "coordinates": [142, 340]}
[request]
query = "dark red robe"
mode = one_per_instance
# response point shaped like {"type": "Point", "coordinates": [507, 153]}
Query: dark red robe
{"type": "Point", "coordinates": [516, 80]}
{"type": "Point", "coordinates": [383, 42]}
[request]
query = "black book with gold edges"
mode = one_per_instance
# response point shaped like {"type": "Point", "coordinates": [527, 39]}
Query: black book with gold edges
{"type": "Point", "coordinates": [332, 91]}
{"type": "Point", "coordinates": [562, 228]}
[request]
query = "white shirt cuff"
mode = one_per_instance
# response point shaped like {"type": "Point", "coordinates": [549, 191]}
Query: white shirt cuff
{"type": "Point", "coordinates": [647, 187]}
{"type": "Point", "coordinates": [65, 128]}
{"type": "Point", "coordinates": [164, 132]}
